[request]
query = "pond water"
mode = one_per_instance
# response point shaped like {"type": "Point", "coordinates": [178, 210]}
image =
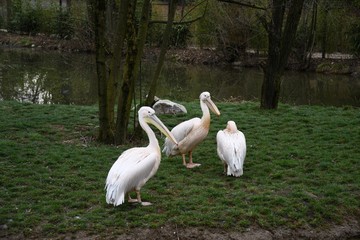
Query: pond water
{"type": "Point", "coordinates": [31, 75]}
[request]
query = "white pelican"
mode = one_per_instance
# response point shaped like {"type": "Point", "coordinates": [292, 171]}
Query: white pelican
{"type": "Point", "coordinates": [231, 149]}
{"type": "Point", "coordinates": [191, 132]}
{"type": "Point", "coordinates": [137, 165]}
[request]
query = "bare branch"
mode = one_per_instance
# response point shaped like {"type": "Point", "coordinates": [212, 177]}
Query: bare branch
{"type": "Point", "coordinates": [181, 20]}
{"type": "Point", "coordinates": [188, 12]}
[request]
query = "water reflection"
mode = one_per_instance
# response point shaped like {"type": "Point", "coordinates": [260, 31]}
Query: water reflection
{"type": "Point", "coordinates": [54, 77]}
{"type": "Point", "coordinates": [33, 90]}
{"type": "Point", "coordinates": [186, 82]}
{"type": "Point", "coordinates": [321, 89]}
{"type": "Point", "coordinates": [47, 77]}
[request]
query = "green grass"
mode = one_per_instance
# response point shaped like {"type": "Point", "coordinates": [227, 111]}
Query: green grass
{"type": "Point", "coordinates": [302, 169]}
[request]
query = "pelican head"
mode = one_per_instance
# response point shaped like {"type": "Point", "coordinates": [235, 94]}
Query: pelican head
{"type": "Point", "coordinates": [206, 98]}
{"type": "Point", "coordinates": [148, 115]}
{"type": "Point", "coordinates": [231, 127]}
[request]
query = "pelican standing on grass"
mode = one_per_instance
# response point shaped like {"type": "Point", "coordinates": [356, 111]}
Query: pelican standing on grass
{"type": "Point", "coordinates": [137, 165]}
{"type": "Point", "coordinates": [231, 149]}
{"type": "Point", "coordinates": [190, 133]}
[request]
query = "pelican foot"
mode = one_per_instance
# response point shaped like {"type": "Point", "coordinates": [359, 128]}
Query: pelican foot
{"type": "Point", "coordinates": [132, 200]}
{"type": "Point", "coordinates": [192, 165]}
{"type": "Point", "coordinates": [146, 203]}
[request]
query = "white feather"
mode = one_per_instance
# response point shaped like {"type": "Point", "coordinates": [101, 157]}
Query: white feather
{"type": "Point", "coordinates": [127, 173]}
{"type": "Point", "coordinates": [231, 149]}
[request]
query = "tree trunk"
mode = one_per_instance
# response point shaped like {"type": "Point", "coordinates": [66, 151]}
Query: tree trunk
{"type": "Point", "coordinates": [115, 62]}
{"type": "Point", "coordinates": [164, 48]}
{"type": "Point", "coordinates": [136, 45]}
{"type": "Point", "coordinates": [280, 43]}
{"type": "Point", "coordinates": [141, 39]}
{"type": "Point", "coordinates": [324, 30]}
{"type": "Point", "coordinates": [270, 90]}
{"type": "Point", "coordinates": [68, 5]}
{"type": "Point", "coordinates": [311, 38]}
{"type": "Point", "coordinates": [9, 13]}
{"type": "Point", "coordinates": [128, 84]}
{"type": "Point", "coordinates": [106, 130]}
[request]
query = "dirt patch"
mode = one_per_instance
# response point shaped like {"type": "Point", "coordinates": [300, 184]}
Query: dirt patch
{"type": "Point", "coordinates": [345, 231]}
{"type": "Point", "coordinates": [349, 231]}
{"type": "Point", "coordinates": [255, 233]}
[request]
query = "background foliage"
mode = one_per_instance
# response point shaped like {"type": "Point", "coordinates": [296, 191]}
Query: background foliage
{"type": "Point", "coordinates": [230, 28]}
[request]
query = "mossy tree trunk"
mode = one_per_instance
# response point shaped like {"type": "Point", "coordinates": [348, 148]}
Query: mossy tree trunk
{"type": "Point", "coordinates": [135, 46]}
{"type": "Point", "coordinates": [108, 65]}
{"type": "Point", "coordinates": [164, 47]}
{"type": "Point", "coordinates": [324, 28]}
{"type": "Point", "coordinates": [115, 78]}
{"type": "Point", "coordinates": [9, 12]}
{"type": "Point", "coordinates": [106, 128]}
{"type": "Point", "coordinates": [311, 38]}
{"type": "Point", "coordinates": [281, 40]}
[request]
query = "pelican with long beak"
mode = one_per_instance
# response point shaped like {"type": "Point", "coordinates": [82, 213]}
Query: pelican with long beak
{"type": "Point", "coordinates": [137, 165]}
{"type": "Point", "coordinates": [190, 133]}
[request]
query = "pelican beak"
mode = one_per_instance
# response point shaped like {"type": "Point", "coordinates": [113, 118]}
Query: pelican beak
{"type": "Point", "coordinates": [212, 106]}
{"type": "Point", "coordinates": [154, 120]}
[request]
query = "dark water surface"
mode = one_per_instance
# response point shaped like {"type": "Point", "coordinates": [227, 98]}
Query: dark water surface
{"type": "Point", "coordinates": [32, 75]}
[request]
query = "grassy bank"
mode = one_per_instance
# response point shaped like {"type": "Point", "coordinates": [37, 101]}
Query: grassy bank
{"type": "Point", "coordinates": [302, 169]}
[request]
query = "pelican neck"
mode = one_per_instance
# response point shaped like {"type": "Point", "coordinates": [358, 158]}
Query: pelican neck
{"type": "Point", "coordinates": [205, 110]}
{"type": "Point", "coordinates": [149, 132]}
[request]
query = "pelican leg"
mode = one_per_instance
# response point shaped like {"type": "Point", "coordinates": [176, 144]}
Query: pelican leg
{"type": "Point", "coordinates": [191, 164]}
{"type": "Point", "coordinates": [225, 168]}
{"type": "Point", "coordinates": [184, 160]}
{"type": "Point", "coordinates": [139, 199]}
{"type": "Point", "coordinates": [131, 200]}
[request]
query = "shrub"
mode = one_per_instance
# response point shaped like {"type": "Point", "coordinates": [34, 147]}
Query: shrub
{"type": "Point", "coordinates": [31, 19]}
{"type": "Point", "coordinates": [154, 34]}
{"type": "Point", "coordinates": [26, 18]}
{"type": "Point", "coordinates": [63, 24]}
{"type": "Point", "coordinates": [180, 35]}
{"type": "Point", "coordinates": [355, 38]}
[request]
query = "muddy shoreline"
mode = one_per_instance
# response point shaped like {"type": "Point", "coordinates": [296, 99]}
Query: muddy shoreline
{"type": "Point", "coordinates": [334, 64]}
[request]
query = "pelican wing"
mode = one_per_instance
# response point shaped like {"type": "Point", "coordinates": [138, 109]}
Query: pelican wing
{"type": "Point", "coordinates": [231, 148]}
{"type": "Point", "coordinates": [239, 143]}
{"type": "Point", "coordinates": [180, 132]}
{"type": "Point", "coordinates": [130, 171]}
{"type": "Point", "coordinates": [223, 146]}
{"type": "Point", "coordinates": [183, 129]}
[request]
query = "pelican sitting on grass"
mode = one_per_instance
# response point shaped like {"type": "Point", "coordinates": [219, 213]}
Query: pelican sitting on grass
{"type": "Point", "coordinates": [137, 165]}
{"type": "Point", "coordinates": [231, 149]}
{"type": "Point", "coordinates": [191, 132]}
